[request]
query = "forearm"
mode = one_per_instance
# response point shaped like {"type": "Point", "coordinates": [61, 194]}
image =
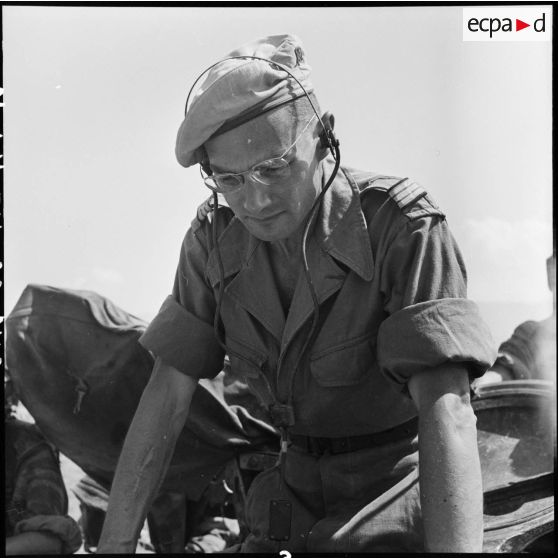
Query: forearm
{"type": "Point", "coordinates": [33, 542]}
{"type": "Point", "coordinates": [450, 476]}
{"type": "Point", "coordinates": [140, 469]}
{"type": "Point", "coordinates": [144, 460]}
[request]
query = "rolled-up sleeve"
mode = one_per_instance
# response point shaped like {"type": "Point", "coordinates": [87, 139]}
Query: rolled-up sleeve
{"type": "Point", "coordinates": [181, 334]}
{"type": "Point", "coordinates": [430, 321]}
{"type": "Point", "coordinates": [429, 334]}
{"type": "Point", "coordinates": [61, 526]}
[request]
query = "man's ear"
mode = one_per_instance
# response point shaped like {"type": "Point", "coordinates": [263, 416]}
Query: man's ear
{"type": "Point", "coordinates": [326, 133]}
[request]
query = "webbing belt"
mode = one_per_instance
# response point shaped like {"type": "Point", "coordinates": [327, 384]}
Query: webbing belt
{"type": "Point", "coordinates": [320, 446]}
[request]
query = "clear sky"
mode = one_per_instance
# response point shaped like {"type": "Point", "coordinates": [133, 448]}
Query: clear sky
{"type": "Point", "coordinates": [94, 198]}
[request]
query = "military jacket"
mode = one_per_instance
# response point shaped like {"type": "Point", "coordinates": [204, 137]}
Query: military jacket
{"type": "Point", "coordinates": [391, 285]}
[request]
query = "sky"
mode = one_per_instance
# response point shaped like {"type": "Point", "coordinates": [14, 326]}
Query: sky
{"type": "Point", "coordinates": [93, 97]}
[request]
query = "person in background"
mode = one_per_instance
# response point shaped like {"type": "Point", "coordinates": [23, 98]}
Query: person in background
{"type": "Point", "coordinates": [36, 502]}
{"type": "Point", "coordinates": [340, 296]}
{"type": "Point", "coordinates": [530, 353]}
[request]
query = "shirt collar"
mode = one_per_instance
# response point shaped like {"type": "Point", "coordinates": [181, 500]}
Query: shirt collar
{"type": "Point", "coordinates": [341, 227]}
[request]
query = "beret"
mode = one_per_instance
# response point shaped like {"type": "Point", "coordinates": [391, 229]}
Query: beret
{"type": "Point", "coordinates": [236, 90]}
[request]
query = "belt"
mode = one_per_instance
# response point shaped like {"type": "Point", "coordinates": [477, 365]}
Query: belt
{"type": "Point", "coordinates": [320, 446]}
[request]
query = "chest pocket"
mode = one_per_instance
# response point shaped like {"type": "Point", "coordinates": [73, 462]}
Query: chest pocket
{"type": "Point", "coordinates": [345, 364]}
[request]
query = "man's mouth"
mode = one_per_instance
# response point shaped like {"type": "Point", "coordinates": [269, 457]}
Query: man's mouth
{"type": "Point", "coordinates": [261, 219]}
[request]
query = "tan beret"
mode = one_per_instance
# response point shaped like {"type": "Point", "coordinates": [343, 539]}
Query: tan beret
{"type": "Point", "coordinates": [235, 91]}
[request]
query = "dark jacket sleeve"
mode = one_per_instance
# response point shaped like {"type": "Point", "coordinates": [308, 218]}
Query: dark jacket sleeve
{"type": "Point", "coordinates": [182, 332]}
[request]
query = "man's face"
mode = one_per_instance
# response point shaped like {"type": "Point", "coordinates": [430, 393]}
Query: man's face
{"type": "Point", "coordinates": [277, 211]}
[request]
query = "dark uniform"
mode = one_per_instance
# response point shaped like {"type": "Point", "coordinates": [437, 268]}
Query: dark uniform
{"type": "Point", "coordinates": [391, 285]}
{"type": "Point", "coordinates": [35, 497]}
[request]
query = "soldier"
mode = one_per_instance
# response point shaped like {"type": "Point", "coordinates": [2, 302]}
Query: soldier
{"type": "Point", "coordinates": [340, 297]}
{"type": "Point", "coordinates": [530, 353]}
{"type": "Point", "coordinates": [37, 520]}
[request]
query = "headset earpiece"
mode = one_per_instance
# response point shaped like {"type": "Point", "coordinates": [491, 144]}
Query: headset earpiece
{"type": "Point", "coordinates": [327, 136]}
{"type": "Point", "coordinates": [206, 168]}
{"type": "Point", "coordinates": [204, 163]}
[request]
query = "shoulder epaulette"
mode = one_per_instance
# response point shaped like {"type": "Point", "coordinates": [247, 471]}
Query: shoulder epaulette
{"type": "Point", "coordinates": [411, 198]}
{"type": "Point", "coordinates": [406, 192]}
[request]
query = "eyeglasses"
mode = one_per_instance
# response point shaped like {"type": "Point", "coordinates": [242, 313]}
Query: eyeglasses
{"type": "Point", "coordinates": [271, 171]}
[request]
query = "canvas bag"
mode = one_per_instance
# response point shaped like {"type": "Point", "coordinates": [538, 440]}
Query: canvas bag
{"type": "Point", "coordinates": [77, 367]}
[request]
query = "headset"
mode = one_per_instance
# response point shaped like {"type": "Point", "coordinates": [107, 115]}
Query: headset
{"type": "Point", "coordinates": [281, 412]}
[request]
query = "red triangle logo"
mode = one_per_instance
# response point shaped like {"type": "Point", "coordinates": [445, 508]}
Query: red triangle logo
{"type": "Point", "coordinates": [519, 25]}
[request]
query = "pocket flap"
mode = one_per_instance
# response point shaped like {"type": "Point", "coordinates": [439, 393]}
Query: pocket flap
{"type": "Point", "coordinates": [345, 364]}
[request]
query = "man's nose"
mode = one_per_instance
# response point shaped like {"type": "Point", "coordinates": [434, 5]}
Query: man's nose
{"type": "Point", "coordinates": [256, 196]}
